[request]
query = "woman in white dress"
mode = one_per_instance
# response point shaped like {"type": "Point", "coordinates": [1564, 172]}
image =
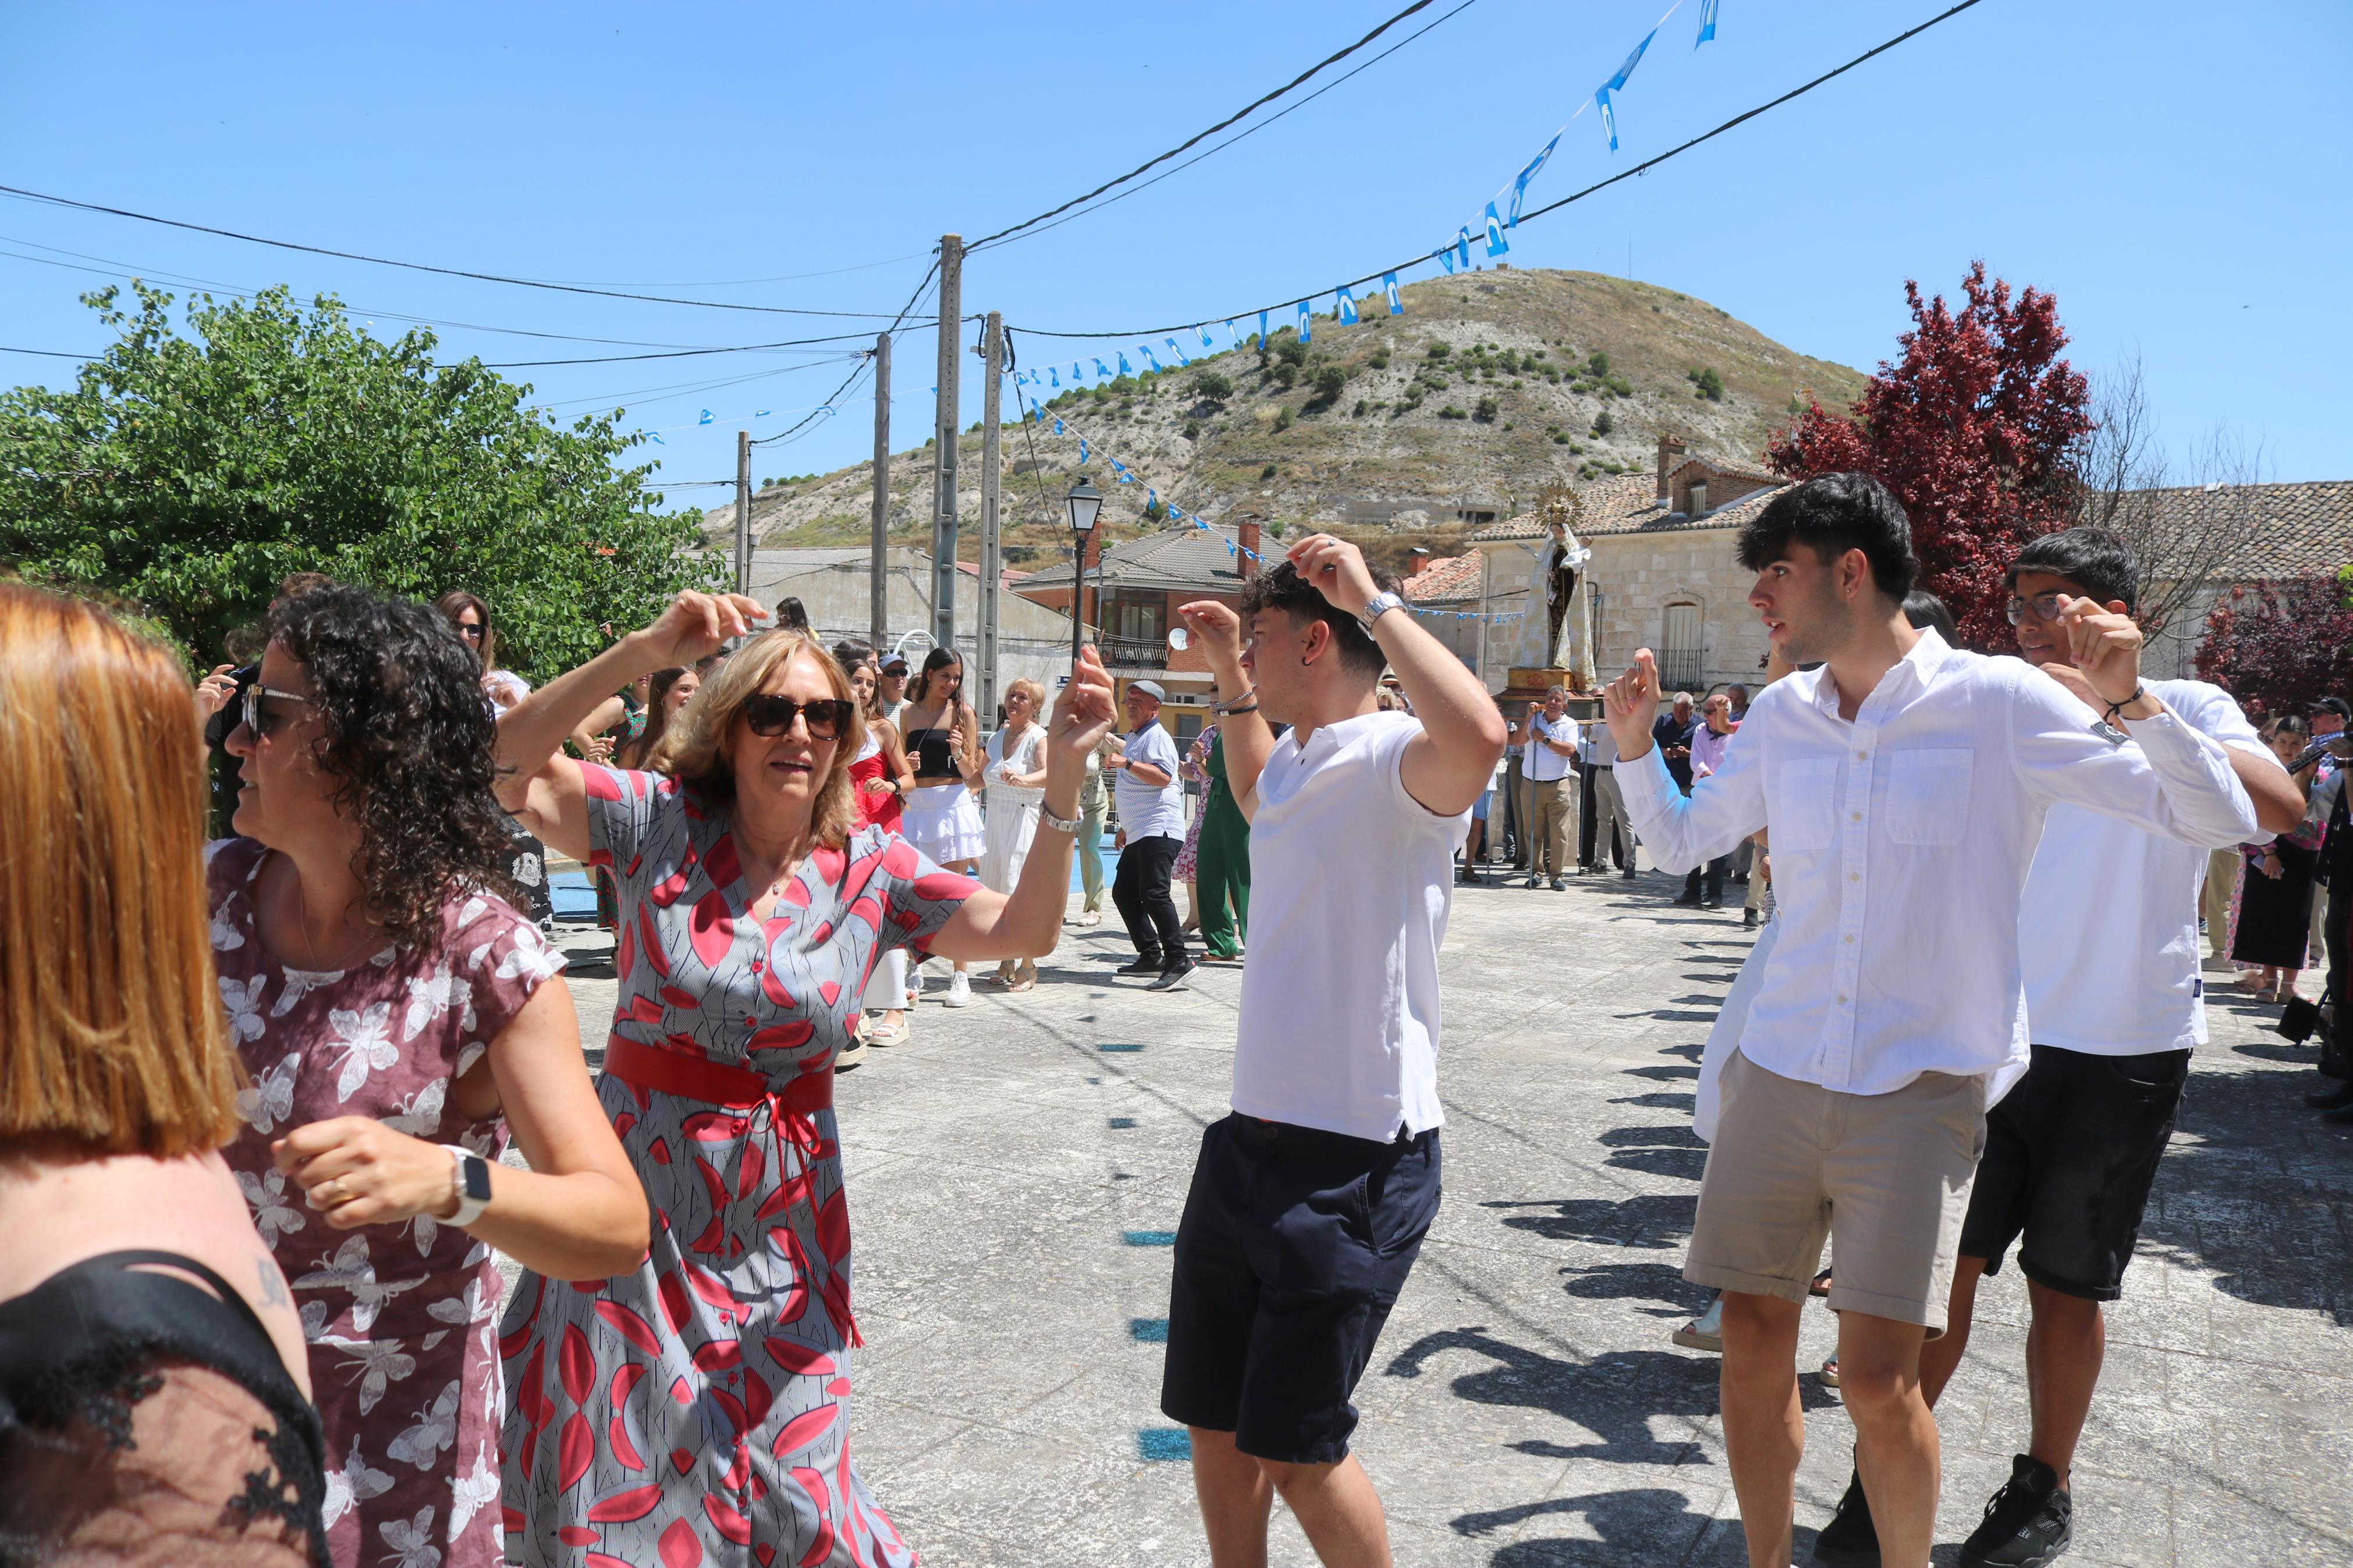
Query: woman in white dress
{"type": "Point", "coordinates": [942, 734]}
{"type": "Point", "coordinates": [1016, 779]}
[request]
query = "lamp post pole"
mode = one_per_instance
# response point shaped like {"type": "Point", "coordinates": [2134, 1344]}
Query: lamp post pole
{"type": "Point", "coordinates": [1085, 501]}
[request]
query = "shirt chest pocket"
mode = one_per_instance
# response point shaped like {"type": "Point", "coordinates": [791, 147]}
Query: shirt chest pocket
{"type": "Point", "coordinates": [1928, 796]}
{"type": "Point", "coordinates": [1803, 811]}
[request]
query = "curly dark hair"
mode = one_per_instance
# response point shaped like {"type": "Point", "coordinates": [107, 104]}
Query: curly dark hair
{"type": "Point", "coordinates": [412, 738]}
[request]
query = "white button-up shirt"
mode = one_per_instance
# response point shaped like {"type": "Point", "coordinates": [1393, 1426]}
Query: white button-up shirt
{"type": "Point", "coordinates": [1901, 841]}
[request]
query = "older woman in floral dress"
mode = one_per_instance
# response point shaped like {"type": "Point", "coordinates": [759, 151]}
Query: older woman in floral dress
{"type": "Point", "coordinates": [396, 1019]}
{"type": "Point", "coordinates": [696, 1409]}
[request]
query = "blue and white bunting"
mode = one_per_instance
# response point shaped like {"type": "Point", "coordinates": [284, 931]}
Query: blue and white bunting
{"type": "Point", "coordinates": [1178, 350]}
{"type": "Point", "coordinates": [1054, 375]}
{"type": "Point", "coordinates": [706, 417]}
{"type": "Point", "coordinates": [1207, 342]}
{"type": "Point", "coordinates": [1306, 316]}
{"type": "Point", "coordinates": [1520, 186]}
{"type": "Point", "coordinates": [1609, 116]}
{"type": "Point", "coordinates": [1058, 426]}
{"type": "Point", "coordinates": [1077, 371]}
{"type": "Point", "coordinates": [1463, 247]}
{"type": "Point", "coordinates": [1099, 368]}
{"type": "Point", "coordinates": [1082, 450]}
{"type": "Point", "coordinates": [1145, 350]}
{"type": "Point", "coordinates": [1618, 82]}
{"type": "Point", "coordinates": [1348, 308]}
{"type": "Point", "coordinates": [1123, 366]}
{"type": "Point", "coordinates": [1446, 258]}
{"type": "Point", "coordinates": [1389, 287]}
{"type": "Point", "coordinates": [1706, 21]}
{"type": "Point", "coordinates": [1497, 244]}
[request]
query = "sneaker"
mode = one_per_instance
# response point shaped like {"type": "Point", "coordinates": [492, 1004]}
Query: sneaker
{"type": "Point", "coordinates": [1705, 1332]}
{"type": "Point", "coordinates": [1144, 964]}
{"type": "Point", "coordinates": [2027, 1524]}
{"type": "Point", "coordinates": [1558, 886]}
{"type": "Point", "coordinates": [1688, 901]}
{"type": "Point", "coordinates": [959, 992]}
{"type": "Point", "coordinates": [1748, 919]}
{"type": "Point", "coordinates": [1716, 902]}
{"type": "Point", "coordinates": [1850, 1540]}
{"type": "Point", "coordinates": [1534, 880]}
{"type": "Point", "coordinates": [1173, 977]}
{"type": "Point", "coordinates": [1628, 873]}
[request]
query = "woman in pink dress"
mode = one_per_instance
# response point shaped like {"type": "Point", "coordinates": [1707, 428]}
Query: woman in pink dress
{"type": "Point", "coordinates": [396, 1017]}
{"type": "Point", "coordinates": [696, 1410]}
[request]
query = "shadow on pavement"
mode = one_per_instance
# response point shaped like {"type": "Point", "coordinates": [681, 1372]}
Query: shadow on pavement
{"type": "Point", "coordinates": [1651, 1220]}
{"type": "Point", "coordinates": [1615, 1397]}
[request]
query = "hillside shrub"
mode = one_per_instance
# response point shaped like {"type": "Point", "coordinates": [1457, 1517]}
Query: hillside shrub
{"type": "Point", "coordinates": [1486, 411]}
{"type": "Point", "coordinates": [1267, 472]}
{"type": "Point", "coordinates": [1286, 374]}
{"type": "Point", "coordinates": [1380, 360]}
{"type": "Point", "coordinates": [1597, 366]}
{"type": "Point", "coordinates": [1282, 420]}
{"type": "Point", "coordinates": [1451, 412]}
{"type": "Point", "coordinates": [1361, 406]}
{"type": "Point", "coordinates": [1706, 384]}
{"type": "Point", "coordinates": [1212, 386]}
{"type": "Point", "coordinates": [1328, 383]}
{"type": "Point", "coordinates": [1291, 350]}
{"type": "Point", "coordinates": [1438, 351]}
{"type": "Point", "coordinates": [1603, 424]}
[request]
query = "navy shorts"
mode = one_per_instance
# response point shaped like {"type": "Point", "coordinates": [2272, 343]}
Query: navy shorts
{"type": "Point", "coordinates": [2070, 1152]}
{"type": "Point", "coordinates": [1293, 1246]}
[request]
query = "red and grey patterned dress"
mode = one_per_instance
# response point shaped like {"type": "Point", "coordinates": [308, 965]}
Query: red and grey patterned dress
{"type": "Point", "coordinates": [697, 1410]}
{"type": "Point", "coordinates": [401, 1319]}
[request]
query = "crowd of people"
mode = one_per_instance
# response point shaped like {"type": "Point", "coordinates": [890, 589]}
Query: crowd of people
{"type": "Point", "coordinates": [265, 1050]}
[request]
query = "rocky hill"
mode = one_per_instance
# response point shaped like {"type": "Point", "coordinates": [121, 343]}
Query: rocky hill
{"type": "Point", "coordinates": [1398, 430]}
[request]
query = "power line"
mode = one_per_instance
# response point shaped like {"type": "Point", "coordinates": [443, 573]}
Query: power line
{"type": "Point", "coordinates": [783, 438]}
{"type": "Point", "coordinates": [1251, 130]}
{"type": "Point", "coordinates": [46, 354]}
{"type": "Point", "coordinates": [1220, 125]}
{"type": "Point", "coordinates": [1551, 207]}
{"type": "Point", "coordinates": [426, 266]}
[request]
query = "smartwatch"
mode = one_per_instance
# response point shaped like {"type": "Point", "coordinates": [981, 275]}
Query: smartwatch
{"type": "Point", "coordinates": [472, 1179]}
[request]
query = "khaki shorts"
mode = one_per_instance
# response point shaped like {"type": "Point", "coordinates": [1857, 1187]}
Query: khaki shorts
{"type": "Point", "coordinates": [1885, 1177]}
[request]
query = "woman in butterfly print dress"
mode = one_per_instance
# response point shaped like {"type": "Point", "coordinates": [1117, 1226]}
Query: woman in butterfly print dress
{"type": "Point", "coordinates": [380, 1015]}
{"type": "Point", "coordinates": [696, 1410]}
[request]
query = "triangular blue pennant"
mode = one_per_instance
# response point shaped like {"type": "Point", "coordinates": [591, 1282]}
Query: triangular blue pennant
{"type": "Point", "coordinates": [1706, 21]}
{"type": "Point", "coordinates": [1618, 82]}
{"type": "Point", "coordinates": [1178, 350]}
{"type": "Point", "coordinates": [1520, 186]}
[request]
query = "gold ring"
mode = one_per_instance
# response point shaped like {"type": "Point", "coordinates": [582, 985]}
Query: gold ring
{"type": "Point", "coordinates": [330, 1192]}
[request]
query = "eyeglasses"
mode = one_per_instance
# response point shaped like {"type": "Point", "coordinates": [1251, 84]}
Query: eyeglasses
{"type": "Point", "coordinates": [2046, 608]}
{"type": "Point", "coordinates": [258, 716]}
{"type": "Point", "coordinates": [470, 630]}
{"type": "Point", "coordinates": [773, 716]}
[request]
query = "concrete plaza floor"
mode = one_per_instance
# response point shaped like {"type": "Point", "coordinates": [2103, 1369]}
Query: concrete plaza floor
{"type": "Point", "coordinates": [1015, 1170]}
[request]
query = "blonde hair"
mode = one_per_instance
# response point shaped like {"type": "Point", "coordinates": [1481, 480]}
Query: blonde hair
{"type": "Point", "coordinates": [699, 748]}
{"type": "Point", "coordinates": [112, 1019]}
{"type": "Point", "coordinates": [1035, 692]}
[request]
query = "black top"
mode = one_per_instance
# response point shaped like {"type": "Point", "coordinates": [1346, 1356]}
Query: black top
{"type": "Point", "coordinates": [935, 759]}
{"type": "Point", "coordinates": [84, 1344]}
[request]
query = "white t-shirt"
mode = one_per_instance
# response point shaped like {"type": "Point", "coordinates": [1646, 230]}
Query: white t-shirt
{"type": "Point", "coordinates": [1351, 881]}
{"type": "Point", "coordinates": [1543, 763]}
{"type": "Point", "coordinates": [506, 688]}
{"type": "Point", "coordinates": [1151, 811]}
{"type": "Point", "coordinates": [2108, 928]}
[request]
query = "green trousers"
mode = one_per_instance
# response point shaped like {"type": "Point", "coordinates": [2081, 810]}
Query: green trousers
{"type": "Point", "coordinates": [1222, 873]}
{"type": "Point", "coordinates": [1090, 831]}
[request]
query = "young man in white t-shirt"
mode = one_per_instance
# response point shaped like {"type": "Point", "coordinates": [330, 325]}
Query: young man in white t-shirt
{"type": "Point", "coordinates": [2108, 939]}
{"type": "Point", "coordinates": [1905, 783]}
{"type": "Point", "coordinates": [1309, 1203]}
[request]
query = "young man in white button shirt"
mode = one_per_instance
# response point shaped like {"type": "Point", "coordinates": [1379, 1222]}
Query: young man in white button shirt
{"type": "Point", "coordinates": [1151, 832]}
{"type": "Point", "coordinates": [1309, 1203]}
{"type": "Point", "coordinates": [1904, 785]}
{"type": "Point", "coordinates": [1548, 743]}
{"type": "Point", "coordinates": [2108, 939]}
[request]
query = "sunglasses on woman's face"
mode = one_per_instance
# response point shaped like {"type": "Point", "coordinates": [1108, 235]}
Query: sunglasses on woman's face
{"type": "Point", "coordinates": [773, 716]}
{"type": "Point", "coordinates": [262, 710]}
{"type": "Point", "coordinates": [472, 631]}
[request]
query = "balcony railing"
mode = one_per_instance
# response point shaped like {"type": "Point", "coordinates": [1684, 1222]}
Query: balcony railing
{"type": "Point", "coordinates": [1679, 670]}
{"type": "Point", "coordinates": [1135, 653]}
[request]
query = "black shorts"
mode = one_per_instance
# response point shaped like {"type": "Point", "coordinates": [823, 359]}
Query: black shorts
{"type": "Point", "coordinates": [1293, 1246]}
{"type": "Point", "coordinates": [2069, 1155]}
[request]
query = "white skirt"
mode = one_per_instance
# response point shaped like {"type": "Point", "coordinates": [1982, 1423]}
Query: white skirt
{"type": "Point", "coordinates": [1012, 826]}
{"type": "Point", "coordinates": [941, 821]}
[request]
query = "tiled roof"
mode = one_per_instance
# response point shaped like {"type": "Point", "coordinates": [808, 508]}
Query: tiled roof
{"type": "Point", "coordinates": [1628, 503]}
{"type": "Point", "coordinates": [1445, 580]}
{"type": "Point", "coordinates": [2301, 530]}
{"type": "Point", "coordinates": [1180, 557]}
{"type": "Point", "coordinates": [1729, 470]}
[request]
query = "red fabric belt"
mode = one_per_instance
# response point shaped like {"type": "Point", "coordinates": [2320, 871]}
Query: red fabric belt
{"type": "Point", "coordinates": [790, 1109]}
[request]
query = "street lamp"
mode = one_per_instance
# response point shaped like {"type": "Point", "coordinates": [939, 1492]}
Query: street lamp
{"type": "Point", "coordinates": [1085, 502]}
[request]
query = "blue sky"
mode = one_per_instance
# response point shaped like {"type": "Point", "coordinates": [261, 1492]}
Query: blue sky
{"type": "Point", "coordinates": [2177, 175]}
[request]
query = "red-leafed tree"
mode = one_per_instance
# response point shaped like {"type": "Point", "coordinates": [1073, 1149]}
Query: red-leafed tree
{"type": "Point", "coordinates": [1975, 429]}
{"type": "Point", "coordinates": [2278, 646]}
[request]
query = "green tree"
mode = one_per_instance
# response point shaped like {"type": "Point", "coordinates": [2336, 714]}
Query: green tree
{"type": "Point", "coordinates": [1329, 381]}
{"type": "Point", "coordinates": [189, 474]}
{"type": "Point", "coordinates": [1212, 386]}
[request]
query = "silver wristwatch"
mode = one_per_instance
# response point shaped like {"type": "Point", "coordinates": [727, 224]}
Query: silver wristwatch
{"type": "Point", "coordinates": [1047, 820]}
{"type": "Point", "coordinates": [1380, 604]}
{"type": "Point", "coordinates": [472, 1181]}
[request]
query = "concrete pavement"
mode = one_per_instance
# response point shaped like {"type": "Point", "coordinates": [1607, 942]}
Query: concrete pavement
{"type": "Point", "coordinates": [1015, 1170]}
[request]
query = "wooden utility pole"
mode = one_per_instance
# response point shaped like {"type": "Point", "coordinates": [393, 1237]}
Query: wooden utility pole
{"type": "Point", "coordinates": [742, 511]}
{"type": "Point", "coordinates": [878, 593]}
{"type": "Point", "coordinates": [944, 444]}
{"type": "Point", "coordinates": [991, 458]}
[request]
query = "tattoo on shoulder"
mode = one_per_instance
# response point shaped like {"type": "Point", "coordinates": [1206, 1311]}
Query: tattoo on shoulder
{"type": "Point", "coordinates": [273, 1284]}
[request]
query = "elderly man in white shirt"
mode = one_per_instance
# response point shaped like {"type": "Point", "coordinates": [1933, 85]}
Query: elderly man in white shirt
{"type": "Point", "coordinates": [1905, 783]}
{"type": "Point", "coordinates": [1548, 740]}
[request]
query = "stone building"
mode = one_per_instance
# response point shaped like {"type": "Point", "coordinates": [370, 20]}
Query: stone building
{"type": "Point", "coordinates": [1657, 571]}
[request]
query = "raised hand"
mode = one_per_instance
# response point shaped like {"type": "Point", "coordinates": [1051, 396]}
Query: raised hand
{"type": "Point", "coordinates": [697, 626]}
{"type": "Point", "coordinates": [1337, 569]}
{"type": "Point", "coordinates": [2106, 646]}
{"type": "Point", "coordinates": [1630, 703]}
{"type": "Point", "coordinates": [1083, 713]}
{"type": "Point", "coordinates": [214, 690]}
{"type": "Point", "coordinates": [1219, 631]}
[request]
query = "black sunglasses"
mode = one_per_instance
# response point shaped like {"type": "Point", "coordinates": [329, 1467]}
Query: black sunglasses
{"type": "Point", "coordinates": [773, 716]}
{"type": "Point", "coordinates": [256, 708]}
{"type": "Point", "coordinates": [471, 632]}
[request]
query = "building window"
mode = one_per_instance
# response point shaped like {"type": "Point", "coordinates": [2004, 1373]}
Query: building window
{"type": "Point", "coordinates": [1679, 649]}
